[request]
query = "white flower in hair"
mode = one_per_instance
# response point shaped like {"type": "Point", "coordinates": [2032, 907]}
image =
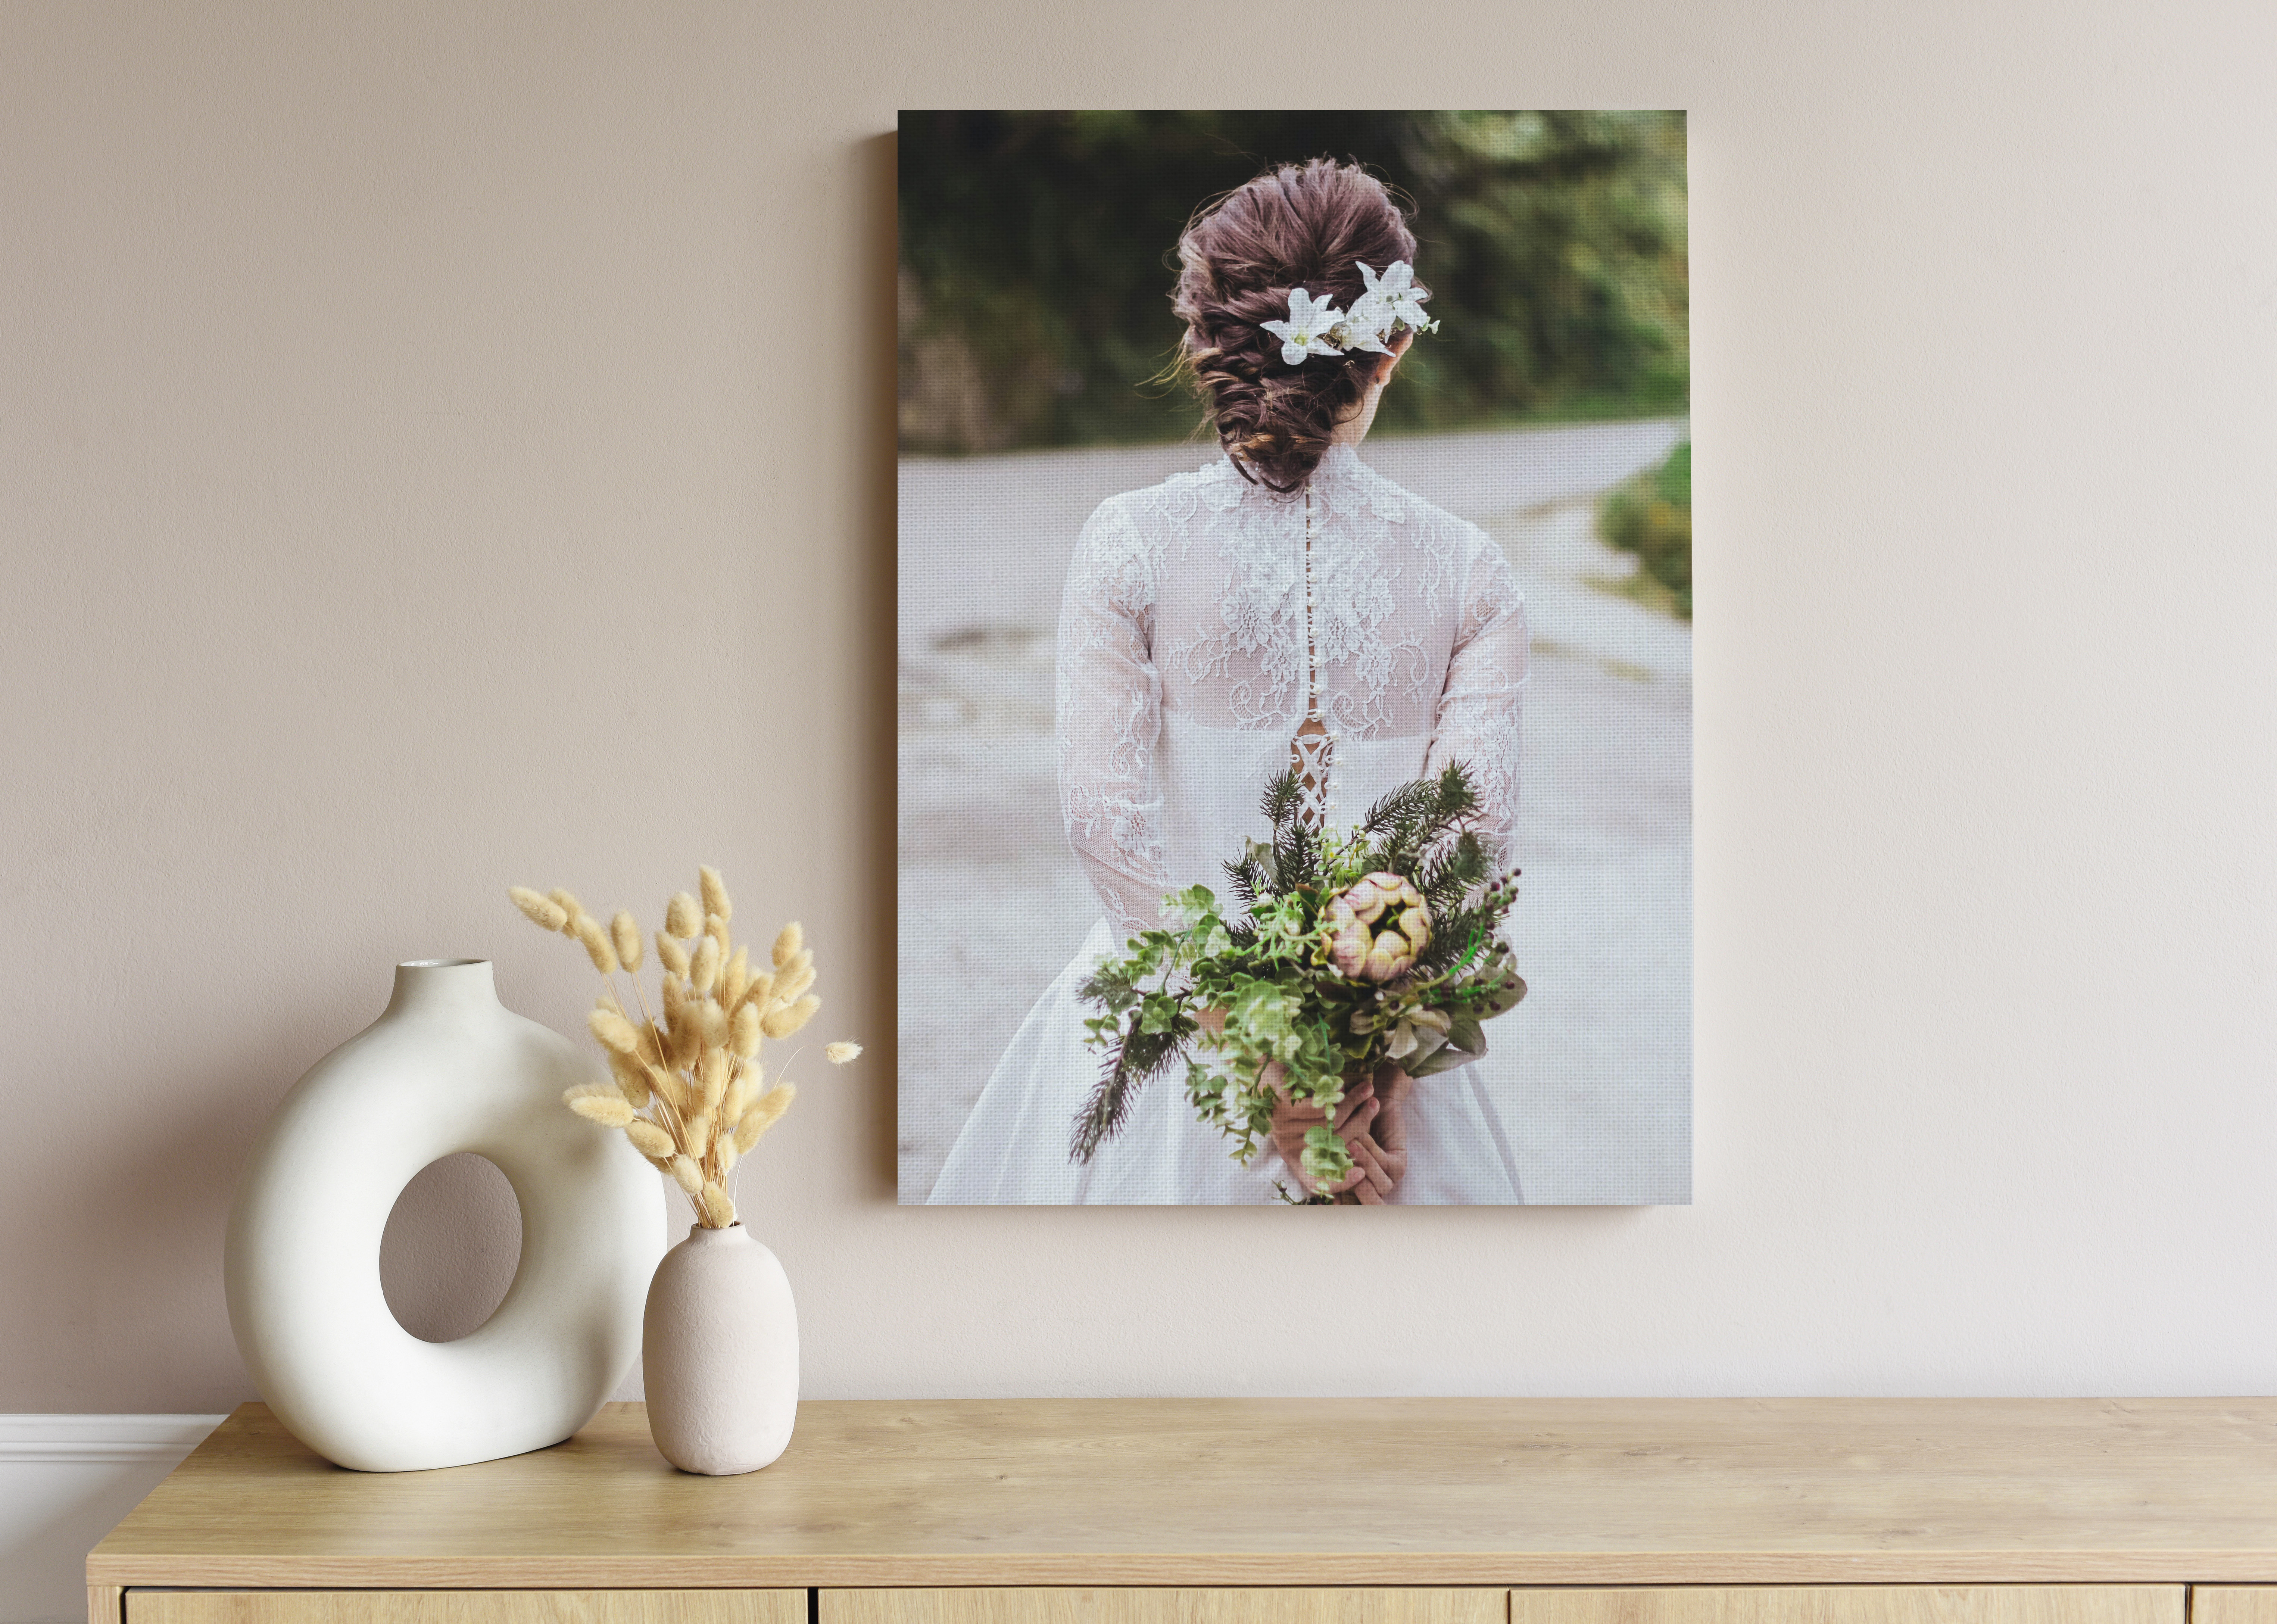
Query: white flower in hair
{"type": "Point", "coordinates": [1367, 327]}
{"type": "Point", "coordinates": [1306, 332]}
{"type": "Point", "coordinates": [1395, 294]}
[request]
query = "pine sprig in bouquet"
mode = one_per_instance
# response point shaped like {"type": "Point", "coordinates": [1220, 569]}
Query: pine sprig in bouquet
{"type": "Point", "coordinates": [1382, 944]}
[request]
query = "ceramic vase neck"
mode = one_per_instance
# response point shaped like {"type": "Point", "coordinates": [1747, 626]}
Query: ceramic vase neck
{"type": "Point", "coordinates": [700, 1235]}
{"type": "Point", "coordinates": [443, 986]}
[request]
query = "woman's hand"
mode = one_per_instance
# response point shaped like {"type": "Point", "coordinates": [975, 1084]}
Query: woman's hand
{"type": "Point", "coordinates": [1371, 1121]}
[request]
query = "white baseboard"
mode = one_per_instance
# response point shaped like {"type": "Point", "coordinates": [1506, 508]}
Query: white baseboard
{"type": "Point", "coordinates": [64, 1481]}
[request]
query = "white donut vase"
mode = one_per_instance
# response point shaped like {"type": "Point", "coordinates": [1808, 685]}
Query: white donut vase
{"type": "Point", "coordinates": [446, 1068]}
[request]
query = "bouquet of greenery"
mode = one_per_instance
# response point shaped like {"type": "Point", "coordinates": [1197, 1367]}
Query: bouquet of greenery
{"type": "Point", "coordinates": [1380, 945]}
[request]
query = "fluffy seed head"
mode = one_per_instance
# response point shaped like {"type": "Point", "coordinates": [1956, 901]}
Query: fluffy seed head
{"type": "Point", "coordinates": [791, 983]}
{"type": "Point", "coordinates": [704, 972]}
{"type": "Point", "coordinates": [539, 909]}
{"type": "Point", "coordinates": [744, 1033]}
{"type": "Point", "coordinates": [761, 989]}
{"type": "Point", "coordinates": [632, 1080]}
{"type": "Point", "coordinates": [763, 1116]}
{"type": "Point", "coordinates": [569, 906]}
{"type": "Point", "coordinates": [739, 1097]}
{"type": "Point", "coordinates": [839, 1054]}
{"type": "Point", "coordinates": [624, 934]}
{"type": "Point", "coordinates": [671, 954]}
{"type": "Point", "coordinates": [737, 978]}
{"type": "Point", "coordinates": [725, 1154]}
{"type": "Point", "coordinates": [785, 1021]}
{"type": "Point", "coordinates": [596, 944]}
{"type": "Point", "coordinates": [718, 1211]}
{"type": "Point", "coordinates": [609, 1110]}
{"type": "Point", "coordinates": [649, 1140]}
{"type": "Point", "coordinates": [696, 1131]}
{"type": "Point", "coordinates": [787, 942]}
{"type": "Point", "coordinates": [715, 893]}
{"type": "Point", "coordinates": [713, 1024]}
{"type": "Point", "coordinates": [682, 916]}
{"type": "Point", "coordinates": [615, 1032]}
{"type": "Point", "coordinates": [686, 1174]}
{"type": "Point", "coordinates": [712, 1072]}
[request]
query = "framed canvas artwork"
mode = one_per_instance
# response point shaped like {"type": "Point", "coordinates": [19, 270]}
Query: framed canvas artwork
{"type": "Point", "coordinates": [1294, 659]}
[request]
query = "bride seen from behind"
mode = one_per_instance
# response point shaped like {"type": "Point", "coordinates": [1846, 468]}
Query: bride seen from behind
{"type": "Point", "coordinates": [1283, 607]}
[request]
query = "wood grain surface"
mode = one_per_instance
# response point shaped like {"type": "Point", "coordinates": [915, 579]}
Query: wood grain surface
{"type": "Point", "coordinates": [660, 1606]}
{"type": "Point", "coordinates": [1043, 1604]}
{"type": "Point", "coordinates": [1222, 1492]}
{"type": "Point", "coordinates": [2234, 1604]}
{"type": "Point", "coordinates": [1860, 1604]}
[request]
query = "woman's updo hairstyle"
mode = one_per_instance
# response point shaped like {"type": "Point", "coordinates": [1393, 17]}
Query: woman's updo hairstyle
{"type": "Point", "coordinates": [1309, 225]}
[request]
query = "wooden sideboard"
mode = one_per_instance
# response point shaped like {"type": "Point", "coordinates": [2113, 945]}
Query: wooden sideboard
{"type": "Point", "coordinates": [1255, 1512]}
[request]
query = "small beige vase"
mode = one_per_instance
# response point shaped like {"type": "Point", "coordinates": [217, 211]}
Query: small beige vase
{"type": "Point", "coordinates": [720, 1354]}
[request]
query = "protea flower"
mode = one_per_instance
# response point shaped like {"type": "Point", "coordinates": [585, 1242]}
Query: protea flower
{"type": "Point", "coordinates": [1358, 948]}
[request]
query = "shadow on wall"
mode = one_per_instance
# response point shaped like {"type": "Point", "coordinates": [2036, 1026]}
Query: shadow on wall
{"type": "Point", "coordinates": [870, 681]}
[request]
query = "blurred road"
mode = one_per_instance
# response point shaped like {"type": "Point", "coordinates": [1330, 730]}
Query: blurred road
{"type": "Point", "coordinates": [1593, 1072]}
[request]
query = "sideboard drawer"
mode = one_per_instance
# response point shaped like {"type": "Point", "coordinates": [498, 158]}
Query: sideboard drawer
{"type": "Point", "coordinates": [2233, 1603]}
{"type": "Point", "coordinates": [466, 1607]}
{"type": "Point", "coordinates": [983, 1606]}
{"type": "Point", "coordinates": [1862, 1604]}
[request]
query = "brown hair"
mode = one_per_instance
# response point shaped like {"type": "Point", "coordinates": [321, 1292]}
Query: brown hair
{"type": "Point", "coordinates": [1305, 225]}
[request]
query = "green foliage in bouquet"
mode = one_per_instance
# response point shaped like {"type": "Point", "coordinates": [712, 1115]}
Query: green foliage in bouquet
{"type": "Point", "coordinates": [1302, 976]}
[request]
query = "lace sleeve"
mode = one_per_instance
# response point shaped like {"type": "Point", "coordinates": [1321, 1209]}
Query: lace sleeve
{"type": "Point", "coordinates": [1109, 710]}
{"type": "Point", "coordinates": [1481, 708]}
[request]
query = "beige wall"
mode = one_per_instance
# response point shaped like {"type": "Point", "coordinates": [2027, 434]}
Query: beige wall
{"type": "Point", "coordinates": [447, 444]}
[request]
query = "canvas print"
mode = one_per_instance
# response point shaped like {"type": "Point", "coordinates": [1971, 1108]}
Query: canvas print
{"type": "Point", "coordinates": [1294, 659]}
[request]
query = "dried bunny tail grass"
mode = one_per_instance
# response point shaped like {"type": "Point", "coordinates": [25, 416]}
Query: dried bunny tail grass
{"type": "Point", "coordinates": [607, 999]}
{"type": "Point", "coordinates": [712, 1072]}
{"type": "Point", "coordinates": [761, 989]}
{"type": "Point", "coordinates": [718, 1211]}
{"type": "Point", "coordinates": [609, 1110]}
{"type": "Point", "coordinates": [651, 1141]}
{"type": "Point", "coordinates": [696, 1136]}
{"type": "Point", "coordinates": [744, 1031]}
{"type": "Point", "coordinates": [715, 893]}
{"type": "Point", "coordinates": [632, 1080]}
{"type": "Point", "coordinates": [713, 1024]}
{"type": "Point", "coordinates": [569, 906]}
{"type": "Point", "coordinates": [783, 1022]}
{"type": "Point", "coordinates": [763, 1116]}
{"type": "Point", "coordinates": [687, 1037]}
{"type": "Point", "coordinates": [686, 1174]}
{"type": "Point", "coordinates": [839, 1054]}
{"type": "Point", "coordinates": [615, 1032]}
{"type": "Point", "coordinates": [624, 933]}
{"type": "Point", "coordinates": [738, 977]}
{"type": "Point", "coordinates": [787, 942]}
{"type": "Point", "coordinates": [725, 1154]}
{"type": "Point", "coordinates": [739, 1097]}
{"type": "Point", "coordinates": [671, 954]}
{"type": "Point", "coordinates": [682, 917]}
{"type": "Point", "coordinates": [539, 909]}
{"type": "Point", "coordinates": [793, 982]}
{"type": "Point", "coordinates": [596, 943]}
{"type": "Point", "coordinates": [704, 975]}
{"type": "Point", "coordinates": [677, 1094]}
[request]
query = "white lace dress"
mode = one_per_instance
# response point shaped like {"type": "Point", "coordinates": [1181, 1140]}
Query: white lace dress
{"type": "Point", "coordinates": [1200, 617]}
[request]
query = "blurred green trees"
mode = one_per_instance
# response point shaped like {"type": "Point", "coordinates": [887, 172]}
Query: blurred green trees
{"type": "Point", "coordinates": [1036, 252]}
{"type": "Point", "coordinates": [1651, 516]}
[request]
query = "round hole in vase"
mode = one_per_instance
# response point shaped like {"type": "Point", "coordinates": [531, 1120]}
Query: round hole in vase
{"type": "Point", "coordinates": [452, 1246]}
